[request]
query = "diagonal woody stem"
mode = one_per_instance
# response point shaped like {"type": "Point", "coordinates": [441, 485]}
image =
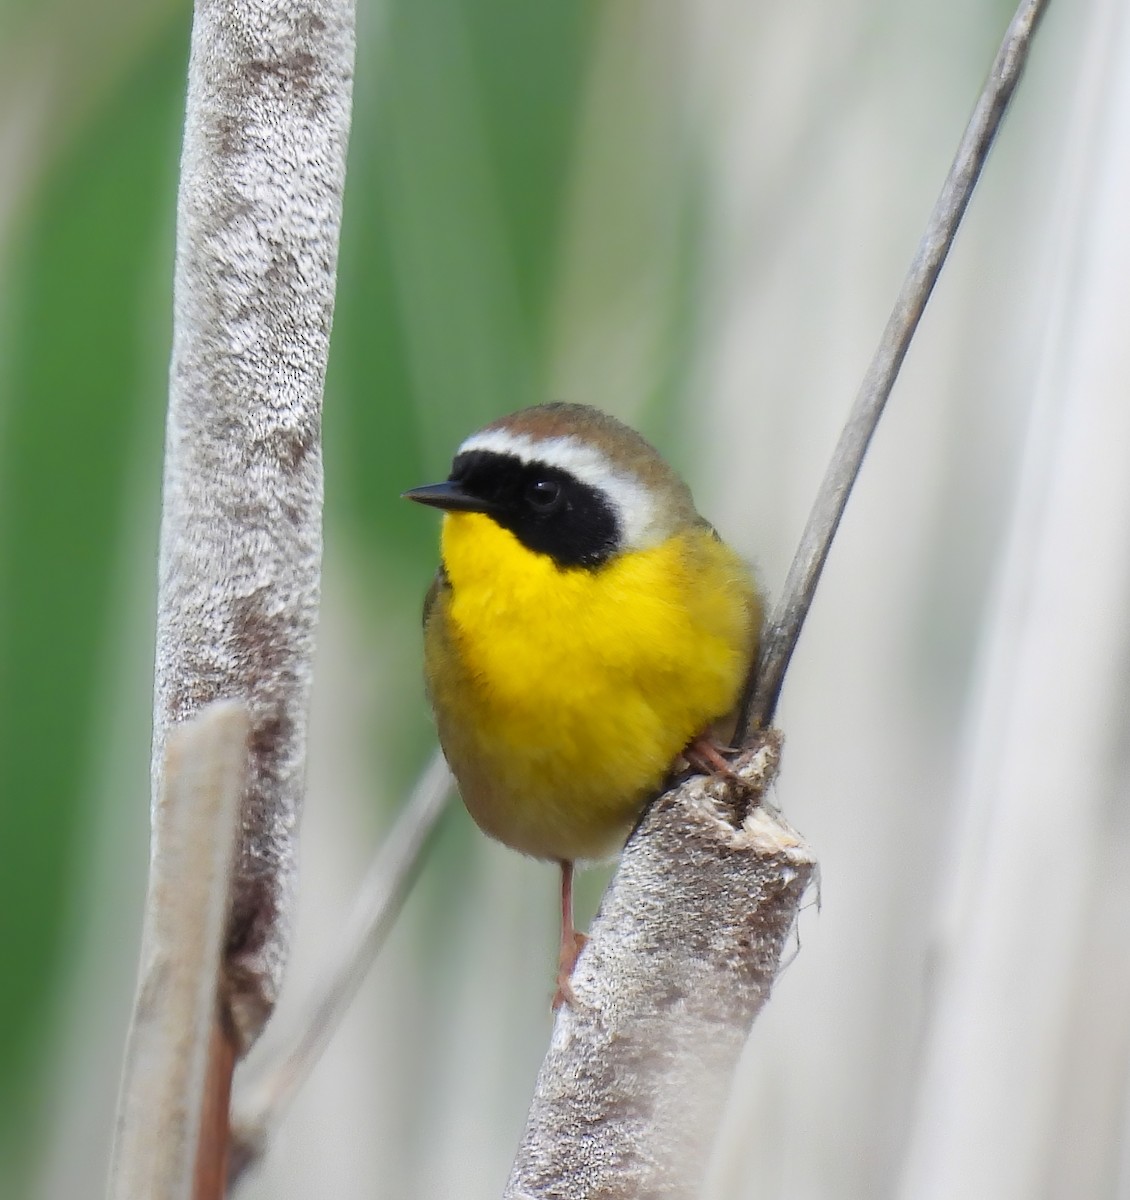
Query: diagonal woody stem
{"type": "Point", "coordinates": [763, 687]}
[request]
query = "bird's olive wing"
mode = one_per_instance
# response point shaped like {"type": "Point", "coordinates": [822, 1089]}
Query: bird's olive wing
{"type": "Point", "coordinates": [440, 585]}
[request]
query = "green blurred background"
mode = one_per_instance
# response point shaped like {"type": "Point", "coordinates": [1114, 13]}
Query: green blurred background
{"type": "Point", "coordinates": [694, 215]}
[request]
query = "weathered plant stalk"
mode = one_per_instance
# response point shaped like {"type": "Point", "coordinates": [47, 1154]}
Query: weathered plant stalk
{"type": "Point", "coordinates": [681, 957]}
{"type": "Point", "coordinates": [165, 1077]}
{"type": "Point", "coordinates": [258, 220]}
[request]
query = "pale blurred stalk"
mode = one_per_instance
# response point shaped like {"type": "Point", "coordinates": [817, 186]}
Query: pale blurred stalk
{"type": "Point", "coordinates": [1048, 724]}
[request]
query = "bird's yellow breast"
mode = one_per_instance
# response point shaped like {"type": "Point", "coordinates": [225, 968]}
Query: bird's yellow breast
{"type": "Point", "coordinates": [563, 696]}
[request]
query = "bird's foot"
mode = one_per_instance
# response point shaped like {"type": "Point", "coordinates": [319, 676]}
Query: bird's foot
{"type": "Point", "coordinates": [706, 756]}
{"type": "Point", "coordinates": [571, 948]}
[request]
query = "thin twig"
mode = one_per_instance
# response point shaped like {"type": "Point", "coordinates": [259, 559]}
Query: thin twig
{"type": "Point", "coordinates": [165, 1077]}
{"type": "Point", "coordinates": [262, 1106]}
{"type": "Point", "coordinates": [764, 685]}
{"type": "Point", "coordinates": [214, 1143]}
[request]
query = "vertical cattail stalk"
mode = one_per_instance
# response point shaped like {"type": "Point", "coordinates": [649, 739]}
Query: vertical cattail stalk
{"type": "Point", "coordinates": [258, 221]}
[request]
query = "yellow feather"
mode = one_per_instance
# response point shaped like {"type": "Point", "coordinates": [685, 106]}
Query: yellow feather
{"type": "Point", "coordinates": [564, 696]}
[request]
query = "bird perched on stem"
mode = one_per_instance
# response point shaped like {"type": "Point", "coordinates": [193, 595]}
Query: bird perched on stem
{"type": "Point", "coordinates": [586, 628]}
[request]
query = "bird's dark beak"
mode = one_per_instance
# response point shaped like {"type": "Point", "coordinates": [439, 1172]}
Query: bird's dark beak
{"type": "Point", "coordinates": [448, 495]}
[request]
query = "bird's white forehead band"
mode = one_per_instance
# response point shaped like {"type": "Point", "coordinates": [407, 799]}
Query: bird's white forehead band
{"type": "Point", "coordinates": [634, 506]}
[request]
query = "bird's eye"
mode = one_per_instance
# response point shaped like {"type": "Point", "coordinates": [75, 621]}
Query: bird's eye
{"type": "Point", "coordinates": [544, 495]}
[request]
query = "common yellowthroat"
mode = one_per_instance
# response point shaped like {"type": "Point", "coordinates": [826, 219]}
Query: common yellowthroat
{"type": "Point", "coordinates": [585, 629]}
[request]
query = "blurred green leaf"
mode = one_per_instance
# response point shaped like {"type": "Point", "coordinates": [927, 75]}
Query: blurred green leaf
{"type": "Point", "coordinates": [78, 411]}
{"type": "Point", "coordinates": [463, 128]}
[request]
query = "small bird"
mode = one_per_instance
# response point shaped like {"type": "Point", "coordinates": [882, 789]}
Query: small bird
{"type": "Point", "coordinates": [585, 629]}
